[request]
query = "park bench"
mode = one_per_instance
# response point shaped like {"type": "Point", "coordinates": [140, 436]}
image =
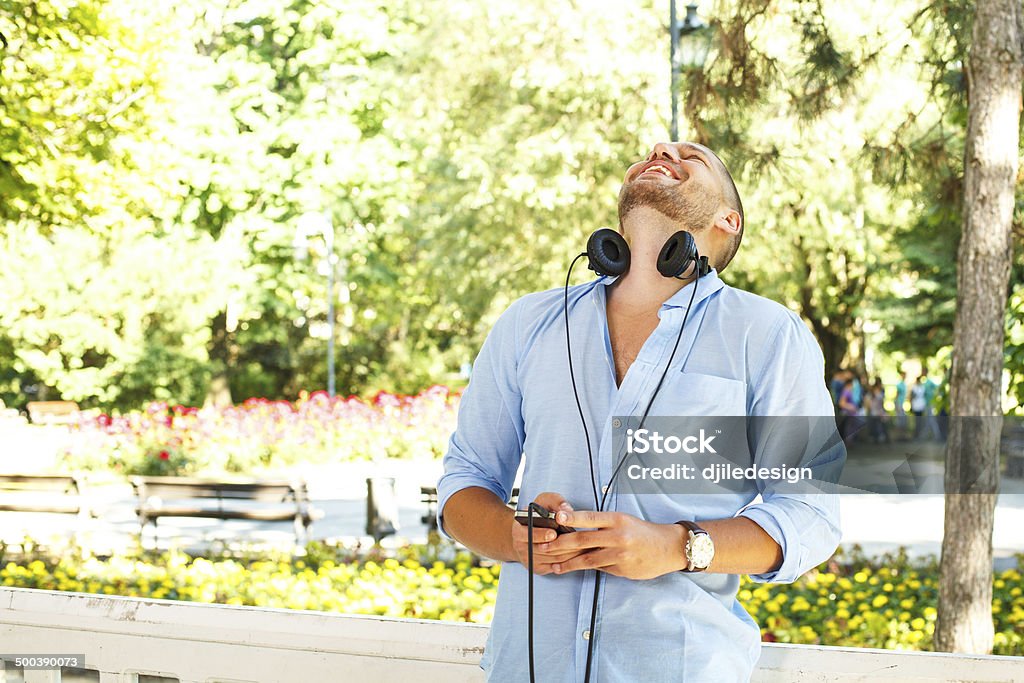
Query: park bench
{"type": "Point", "coordinates": [52, 412]}
{"type": "Point", "coordinates": [265, 501]}
{"type": "Point", "coordinates": [429, 497]}
{"type": "Point", "coordinates": [55, 493]}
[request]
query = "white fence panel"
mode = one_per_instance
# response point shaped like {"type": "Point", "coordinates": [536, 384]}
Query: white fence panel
{"type": "Point", "coordinates": [125, 638]}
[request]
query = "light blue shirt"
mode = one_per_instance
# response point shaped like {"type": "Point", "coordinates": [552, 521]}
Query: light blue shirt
{"type": "Point", "coordinates": [740, 354]}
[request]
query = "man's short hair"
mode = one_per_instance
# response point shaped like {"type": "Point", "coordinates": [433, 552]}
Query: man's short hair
{"type": "Point", "coordinates": [732, 198]}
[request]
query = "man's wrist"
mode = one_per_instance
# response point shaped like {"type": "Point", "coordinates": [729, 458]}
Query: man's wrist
{"type": "Point", "coordinates": [677, 557]}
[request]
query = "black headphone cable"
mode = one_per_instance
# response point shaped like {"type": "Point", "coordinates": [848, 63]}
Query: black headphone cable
{"type": "Point", "coordinates": [534, 508]}
{"type": "Point", "coordinates": [622, 461]}
{"type": "Point", "coordinates": [572, 376]}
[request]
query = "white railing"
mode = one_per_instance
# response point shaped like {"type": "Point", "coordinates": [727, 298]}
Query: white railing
{"type": "Point", "coordinates": [123, 638]}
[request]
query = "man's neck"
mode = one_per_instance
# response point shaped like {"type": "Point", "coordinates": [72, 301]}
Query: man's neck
{"type": "Point", "coordinates": [643, 288]}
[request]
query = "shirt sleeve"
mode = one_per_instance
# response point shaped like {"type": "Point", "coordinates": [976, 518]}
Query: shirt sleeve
{"type": "Point", "coordinates": [486, 448]}
{"type": "Point", "coordinates": [792, 423]}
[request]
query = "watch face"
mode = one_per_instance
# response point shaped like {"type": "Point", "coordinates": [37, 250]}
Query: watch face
{"type": "Point", "coordinates": [702, 550]}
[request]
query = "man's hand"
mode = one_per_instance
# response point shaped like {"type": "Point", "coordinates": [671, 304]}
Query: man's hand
{"type": "Point", "coordinates": [542, 559]}
{"type": "Point", "coordinates": [619, 544]}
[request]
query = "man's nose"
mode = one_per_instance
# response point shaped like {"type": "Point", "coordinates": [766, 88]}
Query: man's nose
{"type": "Point", "coordinates": [663, 150]}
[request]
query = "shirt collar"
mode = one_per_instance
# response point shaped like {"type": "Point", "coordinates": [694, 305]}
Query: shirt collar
{"type": "Point", "coordinates": [706, 286]}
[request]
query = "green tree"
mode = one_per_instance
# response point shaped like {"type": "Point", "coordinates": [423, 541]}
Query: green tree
{"type": "Point", "coordinates": [73, 80]}
{"type": "Point", "coordinates": [81, 89]}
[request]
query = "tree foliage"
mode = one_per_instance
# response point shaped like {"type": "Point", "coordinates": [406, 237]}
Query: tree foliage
{"type": "Point", "coordinates": [155, 160]}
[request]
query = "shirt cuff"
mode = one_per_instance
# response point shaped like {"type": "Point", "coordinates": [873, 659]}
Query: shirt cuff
{"type": "Point", "coordinates": [777, 524]}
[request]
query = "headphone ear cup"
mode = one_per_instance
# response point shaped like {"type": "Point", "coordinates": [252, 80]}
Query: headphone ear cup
{"type": "Point", "coordinates": [607, 253]}
{"type": "Point", "coordinates": [677, 254]}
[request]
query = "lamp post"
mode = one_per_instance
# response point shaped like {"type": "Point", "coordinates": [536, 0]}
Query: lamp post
{"type": "Point", "coordinates": [690, 43]}
{"type": "Point", "coordinates": [311, 225]}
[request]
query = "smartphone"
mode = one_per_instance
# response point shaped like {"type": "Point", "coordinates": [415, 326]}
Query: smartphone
{"type": "Point", "coordinates": [545, 521]}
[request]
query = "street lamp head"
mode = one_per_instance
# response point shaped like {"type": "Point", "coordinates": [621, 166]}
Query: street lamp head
{"type": "Point", "coordinates": [691, 22]}
{"type": "Point", "coordinates": [695, 38]}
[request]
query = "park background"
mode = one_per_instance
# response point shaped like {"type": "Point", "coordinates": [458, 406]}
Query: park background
{"type": "Point", "coordinates": [160, 164]}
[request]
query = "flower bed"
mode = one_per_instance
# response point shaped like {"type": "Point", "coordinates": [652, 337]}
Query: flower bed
{"type": "Point", "coordinates": [889, 603]}
{"type": "Point", "coordinates": [179, 440]}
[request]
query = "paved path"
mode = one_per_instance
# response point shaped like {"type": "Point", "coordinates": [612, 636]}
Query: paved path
{"type": "Point", "coordinates": [876, 523]}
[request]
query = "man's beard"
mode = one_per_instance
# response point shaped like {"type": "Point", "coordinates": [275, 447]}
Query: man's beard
{"type": "Point", "coordinates": [692, 213]}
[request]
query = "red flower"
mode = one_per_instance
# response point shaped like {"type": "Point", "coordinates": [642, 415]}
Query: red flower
{"type": "Point", "coordinates": [164, 455]}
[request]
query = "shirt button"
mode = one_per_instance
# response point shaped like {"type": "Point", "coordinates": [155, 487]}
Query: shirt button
{"type": "Point", "coordinates": [586, 635]}
{"type": "Point", "coordinates": [616, 423]}
{"type": "Point", "coordinates": [604, 489]}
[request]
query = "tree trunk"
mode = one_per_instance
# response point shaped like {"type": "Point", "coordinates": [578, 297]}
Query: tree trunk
{"type": "Point", "coordinates": [994, 72]}
{"type": "Point", "coordinates": [831, 338]}
{"type": "Point", "coordinates": [219, 392]}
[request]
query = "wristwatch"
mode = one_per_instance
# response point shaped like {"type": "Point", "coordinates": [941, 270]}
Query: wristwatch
{"type": "Point", "coordinates": [699, 548]}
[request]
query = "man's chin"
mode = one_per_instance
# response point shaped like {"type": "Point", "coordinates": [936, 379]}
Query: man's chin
{"type": "Point", "coordinates": [652, 195]}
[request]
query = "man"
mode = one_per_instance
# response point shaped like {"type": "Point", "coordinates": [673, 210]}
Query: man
{"type": "Point", "coordinates": [739, 355]}
{"type": "Point", "coordinates": [836, 386]}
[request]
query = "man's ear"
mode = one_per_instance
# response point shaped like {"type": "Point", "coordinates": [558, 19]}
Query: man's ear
{"type": "Point", "coordinates": [729, 221]}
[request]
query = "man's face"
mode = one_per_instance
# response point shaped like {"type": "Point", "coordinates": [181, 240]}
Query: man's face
{"type": "Point", "coordinates": [678, 179]}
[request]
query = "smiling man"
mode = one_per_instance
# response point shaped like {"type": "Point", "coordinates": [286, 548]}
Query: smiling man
{"type": "Point", "coordinates": [670, 564]}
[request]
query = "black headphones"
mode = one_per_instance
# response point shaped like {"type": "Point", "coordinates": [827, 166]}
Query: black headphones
{"type": "Point", "coordinates": [608, 254]}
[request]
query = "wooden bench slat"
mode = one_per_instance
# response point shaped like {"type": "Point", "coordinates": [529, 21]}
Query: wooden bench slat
{"type": "Point", "coordinates": [207, 513]}
{"type": "Point", "coordinates": [31, 507]}
{"type": "Point", "coordinates": [273, 495]}
{"type": "Point", "coordinates": [38, 482]}
{"type": "Point", "coordinates": [170, 487]}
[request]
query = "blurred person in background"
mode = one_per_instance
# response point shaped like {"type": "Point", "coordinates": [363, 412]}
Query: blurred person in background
{"type": "Point", "coordinates": [877, 416]}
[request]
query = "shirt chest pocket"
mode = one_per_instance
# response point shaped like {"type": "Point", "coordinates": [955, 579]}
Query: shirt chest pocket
{"type": "Point", "coordinates": [692, 393]}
